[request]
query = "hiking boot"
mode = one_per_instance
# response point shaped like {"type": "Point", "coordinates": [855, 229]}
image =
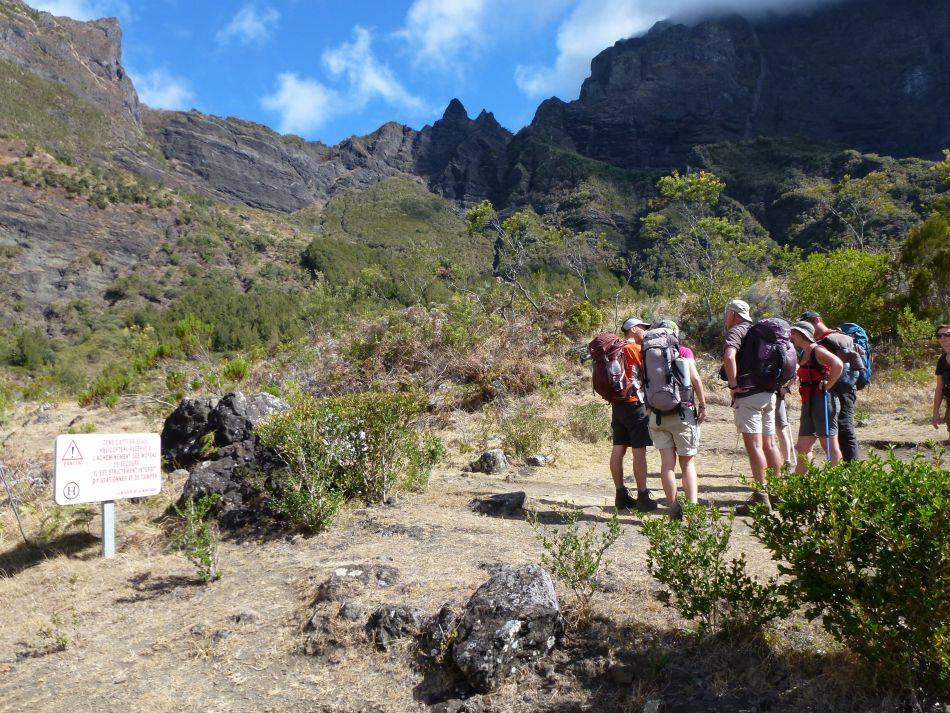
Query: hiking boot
{"type": "Point", "coordinates": [757, 497]}
{"type": "Point", "coordinates": [644, 502]}
{"type": "Point", "coordinates": [676, 512]}
{"type": "Point", "coordinates": [623, 501]}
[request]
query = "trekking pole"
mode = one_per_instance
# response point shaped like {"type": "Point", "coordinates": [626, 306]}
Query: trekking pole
{"type": "Point", "coordinates": [827, 428]}
{"type": "Point", "coordinates": [3, 477]}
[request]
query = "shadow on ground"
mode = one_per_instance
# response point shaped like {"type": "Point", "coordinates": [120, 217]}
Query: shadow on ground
{"type": "Point", "coordinates": [25, 555]}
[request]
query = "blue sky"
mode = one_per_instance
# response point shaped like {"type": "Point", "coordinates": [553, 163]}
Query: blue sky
{"type": "Point", "coordinates": [327, 69]}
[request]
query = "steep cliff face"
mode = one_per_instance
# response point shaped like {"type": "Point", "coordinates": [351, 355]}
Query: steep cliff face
{"type": "Point", "coordinates": [459, 158]}
{"type": "Point", "coordinates": [870, 74]}
{"type": "Point", "coordinates": [86, 57]}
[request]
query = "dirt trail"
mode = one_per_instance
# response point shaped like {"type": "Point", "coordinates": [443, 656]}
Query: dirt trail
{"type": "Point", "coordinates": [136, 634]}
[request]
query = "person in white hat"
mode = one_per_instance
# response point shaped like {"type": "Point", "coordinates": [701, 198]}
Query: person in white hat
{"type": "Point", "coordinates": [753, 407]}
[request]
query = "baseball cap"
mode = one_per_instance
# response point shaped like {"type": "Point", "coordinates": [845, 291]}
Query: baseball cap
{"type": "Point", "coordinates": [809, 316]}
{"type": "Point", "coordinates": [634, 322]}
{"type": "Point", "coordinates": [741, 308]}
{"type": "Point", "coordinates": [806, 329]}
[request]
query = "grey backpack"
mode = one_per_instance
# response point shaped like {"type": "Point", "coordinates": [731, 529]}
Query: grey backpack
{"type": "Point", "coordinates": [665, 375]}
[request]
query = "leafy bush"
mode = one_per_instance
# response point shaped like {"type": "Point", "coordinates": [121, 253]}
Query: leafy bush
{"type": "Point", "coordinates": [527, 433]}
{"type": "Point", "coordinates": [236, 369]}
{"type": "Point", "coordinates": [914, 336]}
{"type": "Point", "coordinates": [688, 557]}
{"type": "Point", "coordinates": [575, 555]}
{"type": "Point", "coordinates": [582, 319]}
{"type": "Point", "coordinates": [845, 286]}
{"type": "Point", "coordinates": [32, 350]}
{"type": "Point", "coordinates": [363, 445]}
{"type": "Point", "coordinates": [867, 546]}
{"type": "Point", "coordinates": [198, 539]}
{"type": "Point", "coordinates": [590, 422]}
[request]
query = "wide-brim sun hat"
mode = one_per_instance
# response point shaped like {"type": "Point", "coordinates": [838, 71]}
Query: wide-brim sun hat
{"type": "Point", "coordinates": [806, 329]}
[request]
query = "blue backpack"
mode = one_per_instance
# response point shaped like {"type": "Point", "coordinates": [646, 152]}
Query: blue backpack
{"type": "Point", "coordinates": [862, 376]}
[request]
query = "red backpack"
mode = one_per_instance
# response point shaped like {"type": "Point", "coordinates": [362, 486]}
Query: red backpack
{"type": "Point", "coordinates": [610, 367]}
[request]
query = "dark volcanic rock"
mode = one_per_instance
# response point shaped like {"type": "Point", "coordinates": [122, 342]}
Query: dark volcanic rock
{"type": "Point", "coordinates": [438, 634]}
{"type": "Point", "coordinates": [513, 617]}
{"type": "Point", "coordinates": [349, 580]}
{"type": "Point", "coordinates": [389, 623]}
{"type": "Point", "coordinates": [183, 429]}
{"type": "Point", "coordinates": [491, 461]}
{"type": "Point", "coordinates": [499, 504]}
{"type": "Point", "coordinates": [236, 415]}
{"type": "Point", "coordinates": [870, 74]}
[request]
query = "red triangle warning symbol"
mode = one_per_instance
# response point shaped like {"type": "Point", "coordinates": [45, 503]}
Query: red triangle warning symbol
{"type": "Point", "coordinates": [72, 453]}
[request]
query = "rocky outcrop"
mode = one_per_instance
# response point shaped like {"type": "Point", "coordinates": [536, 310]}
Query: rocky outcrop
{"type": "Point", "coordinates": [511, 619]}
{"type": "Point", "coordinates": [870, 74]}
{"type": "Point", "coordinates": [84, 56]}
{"type": "Point", "coordinates": [236, 160]}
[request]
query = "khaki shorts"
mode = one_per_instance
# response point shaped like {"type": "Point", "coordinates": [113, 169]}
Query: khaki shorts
{"type": "Point", "coordinates": [755, 413]}
{"type": "Point", "coordinates": [675, 432]}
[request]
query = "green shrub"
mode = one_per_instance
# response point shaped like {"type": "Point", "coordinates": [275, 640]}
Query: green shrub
{"type": "Point", "coordinates": [867, 547]}
{"type": "Point", "coordinates": [914, 336]}
{"type": "Point", "coordinates": [582, 319]}
{"type": "Point", "coordinates": [527, 433]}
{"type": "Point", "coordinates": [364, 445]}
{"type": "Point", "coordinates": [575, 555]}
{"type": "Point", "coordinates": [107, 388]}
{"type": "Point", "coordinates": [236, 369]}
{"type": "Point", "coordinates": [198, 539]}
{"type": "Point", "coordinates": [845, 286]}
{"type": "Point", "coordinates": [32, 350]}
{"type": "Point", "coordinates": [590, 422]}
{"type": "Point", "coordinates": [688, 557]}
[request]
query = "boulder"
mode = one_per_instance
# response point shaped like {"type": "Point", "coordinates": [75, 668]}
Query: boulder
{"type": "Point", "coordinates": [183, 429]}
{"type": "Point", "coordinates": [491, 461]}
{"type": "Point", "coordinates": [236, 415]}
{"type": "Point", "coordinates": [389, 623]}
{"type": "Point", "coordinates": [499, 504]}
{"type": "Point", "coordinates": [513, 618]}
{"type": "Point", "coordinates": [438, 634]}
{"type": "Point", "coordinates": [538, 460]}
{"type": "Point", "coordinates": [349, 580]}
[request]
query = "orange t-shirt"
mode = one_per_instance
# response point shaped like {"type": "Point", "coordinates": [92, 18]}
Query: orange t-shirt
{"type": "Point", "coordinates": [631, 350]}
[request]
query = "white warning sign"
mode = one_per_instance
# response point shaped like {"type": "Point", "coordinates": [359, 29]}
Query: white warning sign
{"type": "Point", "coordinates": [96, 467]}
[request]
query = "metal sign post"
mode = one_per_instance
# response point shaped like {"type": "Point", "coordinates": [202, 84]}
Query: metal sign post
{"type": "Point", "coordinates": [108, 529]}
{"type": "Point", "coordinates": [103, 468]}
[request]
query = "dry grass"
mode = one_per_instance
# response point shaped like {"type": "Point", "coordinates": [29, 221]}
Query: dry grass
{"type": "Point", "coordinates": [138, 633]}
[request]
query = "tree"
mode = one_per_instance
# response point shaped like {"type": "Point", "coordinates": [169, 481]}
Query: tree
{"type": "Point", "coordinates": [857, 204]}
{"type": "Point", "coordinates": [924, 260]}
{"type": "Point", "coordinates": [518, 238]}
{"type": "Point", "coordinates": [845, 285]}
{"type": "Point", "coordinates": [580, 252]}
{"type": "Point", "coordinates": [711, 250]}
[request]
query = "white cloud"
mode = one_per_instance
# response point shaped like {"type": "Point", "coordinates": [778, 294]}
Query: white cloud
{"type": "Point", "coordinates": [437, 30]}
{"type": "Point", "coordinates": [594, 25]}
{"type": "Point", "coordinates": [249, 26]}
{"type": "Point", "coordinates": [367, 78]}
{"type": "Point", "coordinates": [305, 104]}
{"type": "Point", "coordinates": [82, 9]}
{"type": "Point", "coordinates": [160, 90]}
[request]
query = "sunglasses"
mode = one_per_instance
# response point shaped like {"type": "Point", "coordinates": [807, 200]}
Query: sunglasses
{"type": "Point", "coordinates": [941, 335]}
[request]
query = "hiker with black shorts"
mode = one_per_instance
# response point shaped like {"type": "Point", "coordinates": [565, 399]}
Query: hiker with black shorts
{"type": "Point", "coordinates": [753, 406]}
{"type": "Point", "coordinates": [628, 424]}
{"type": "Point", "coordinates": [818, 371]}
{"type": "Point", "coordinates": [846, 388]}
{"type": "Point", "coordinates": [942, 390]}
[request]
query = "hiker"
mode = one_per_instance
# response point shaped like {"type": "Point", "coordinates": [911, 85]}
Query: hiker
{"type": "Point", "coordinates": [942, 390]}
{"type": "Point", "coordinates": [818, 372]}
{"type": "Point", "coordinates": [783, 428]}
{"type": "Point", "coordinates": [628, 423]}
{"type": "Point", "coordinates": [676, 435]}
{"type": "Point", "coordinates": [846, 389]}
{"type": "Point", "coordinates": [753, 406]}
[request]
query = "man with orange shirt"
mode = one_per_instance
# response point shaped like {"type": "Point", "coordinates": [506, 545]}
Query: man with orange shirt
{"type": "Point", "coordinates": [630, 426]}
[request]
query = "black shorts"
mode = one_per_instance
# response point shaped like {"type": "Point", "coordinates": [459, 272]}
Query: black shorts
{"type": "Point", "coordinates": [630, 424]}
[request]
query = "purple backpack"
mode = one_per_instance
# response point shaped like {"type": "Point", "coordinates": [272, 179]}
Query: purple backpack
{"type": "Point", "coordinates": [767, 358]}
